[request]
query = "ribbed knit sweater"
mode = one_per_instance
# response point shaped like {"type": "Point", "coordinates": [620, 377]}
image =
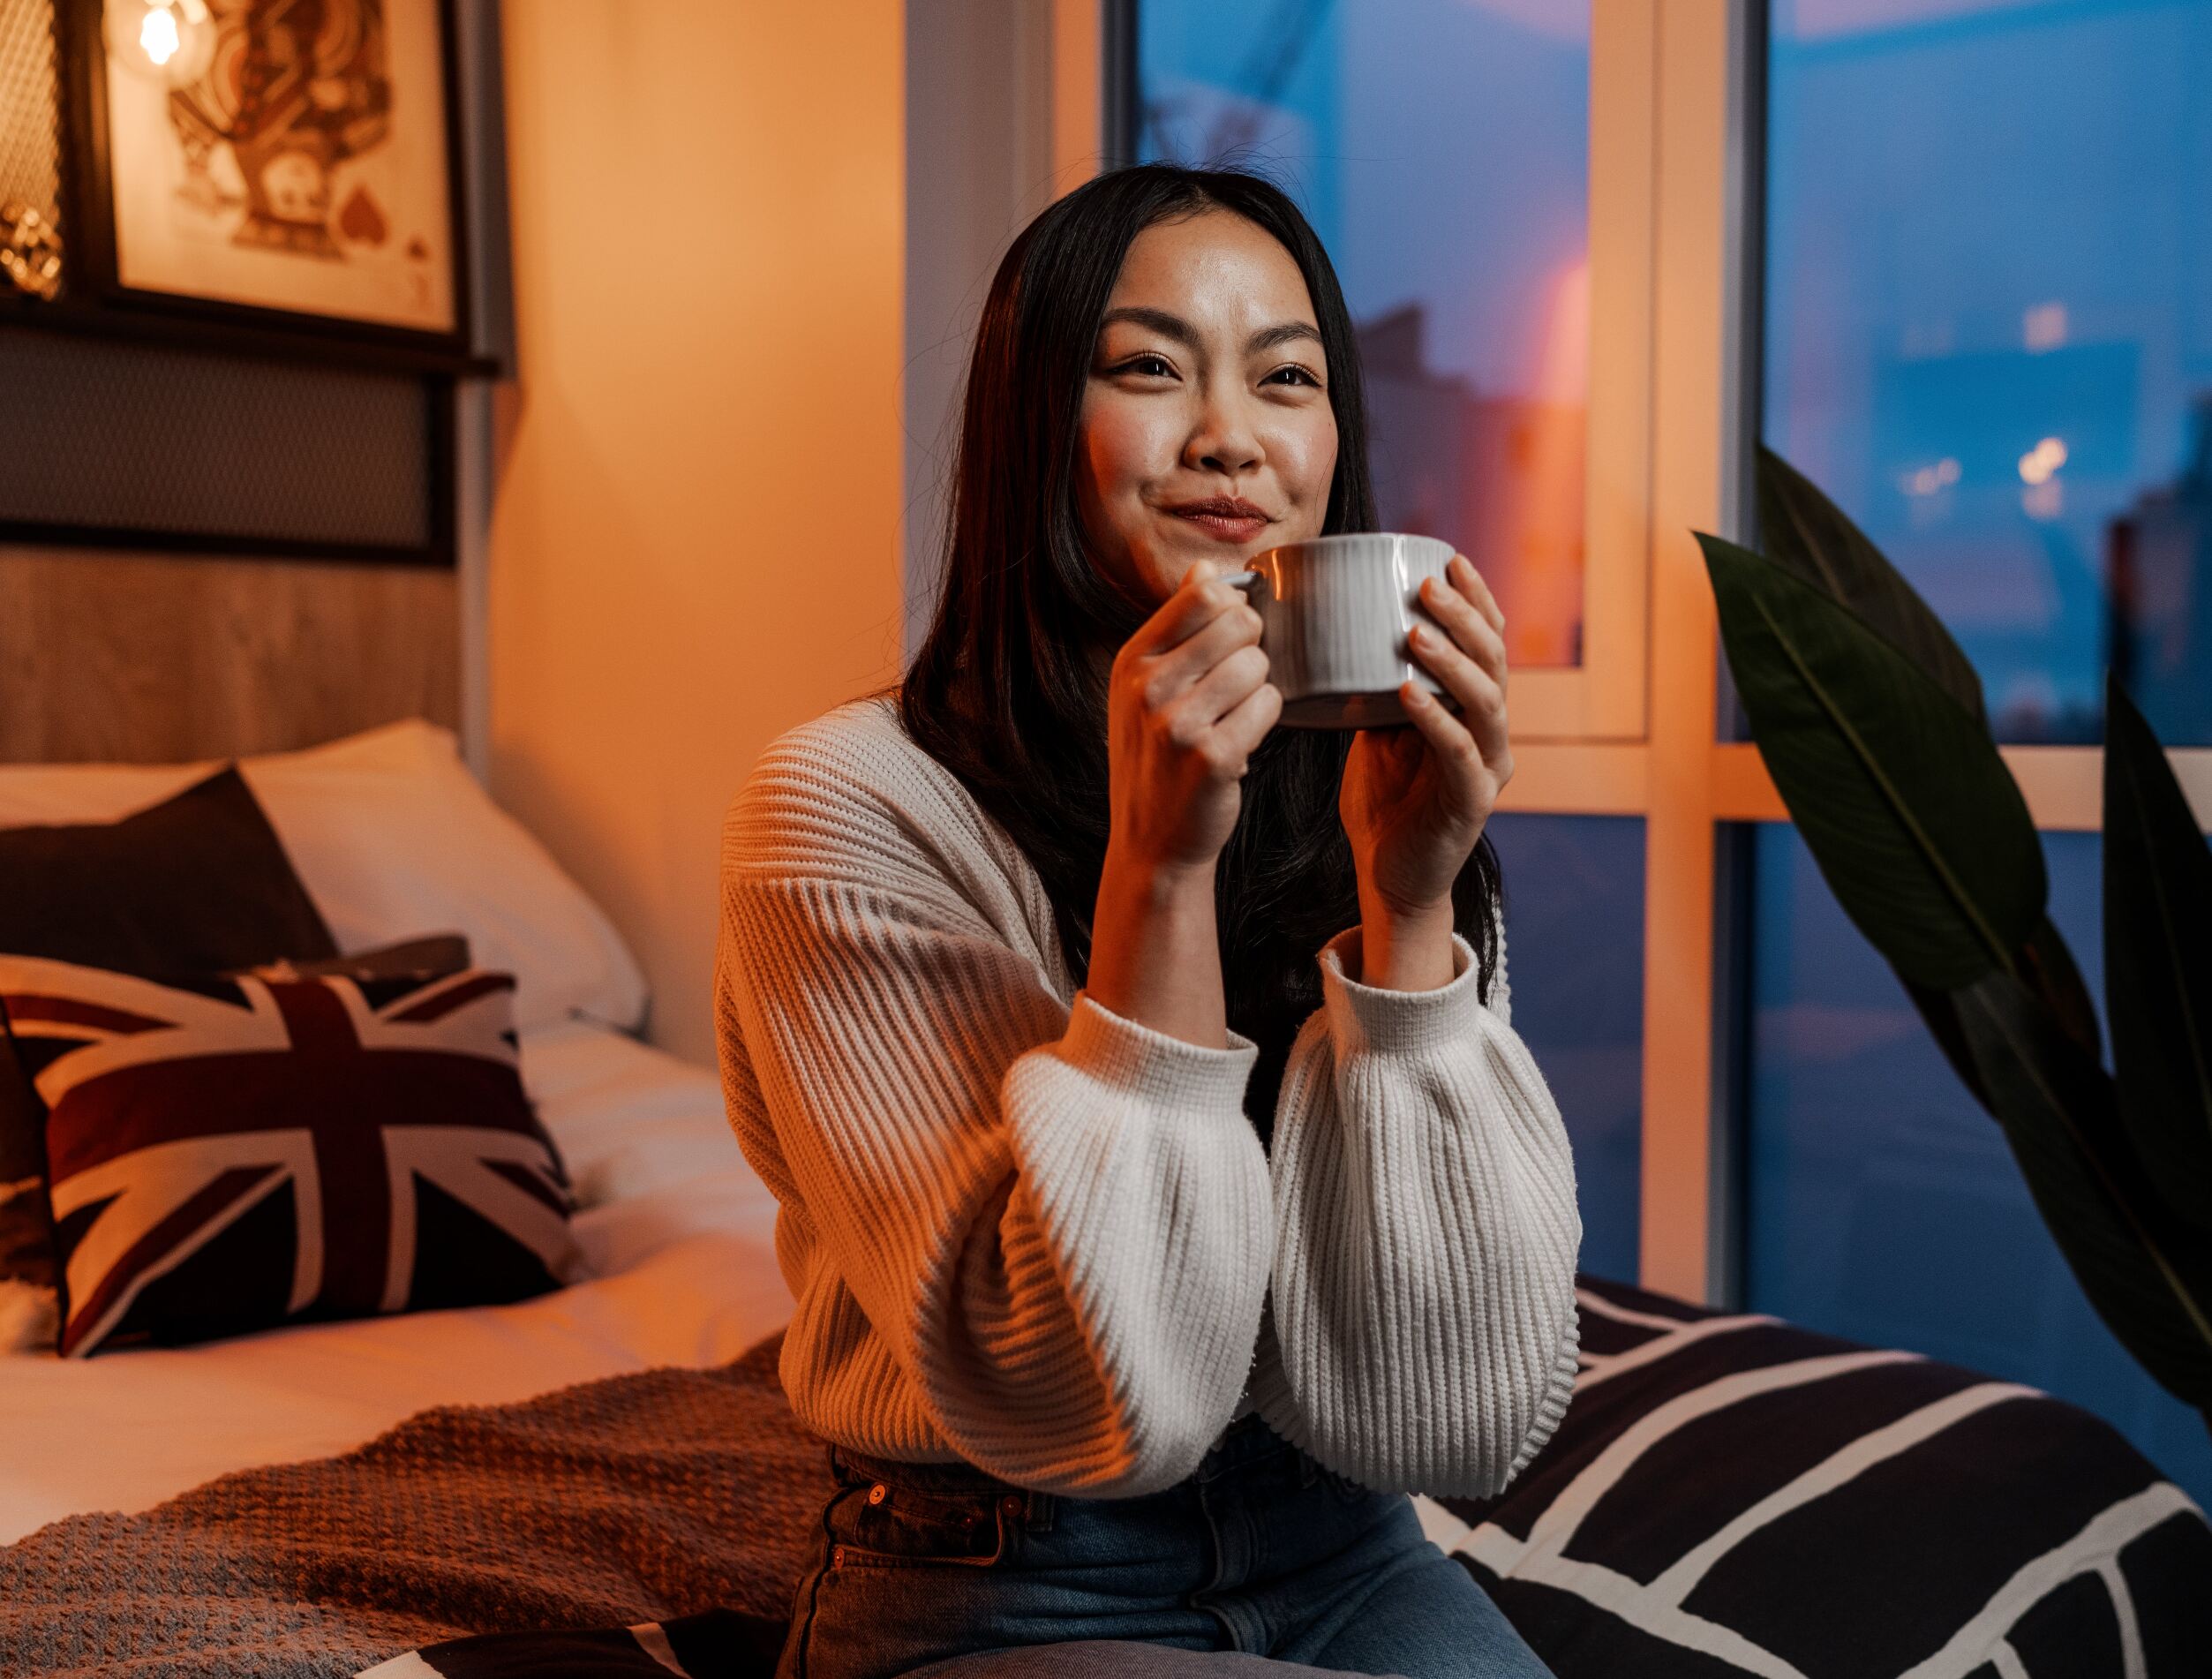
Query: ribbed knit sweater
{"type": "Point", "coordinates": [1026, 1231]}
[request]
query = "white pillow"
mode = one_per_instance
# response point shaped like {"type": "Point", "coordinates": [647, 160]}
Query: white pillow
{"type": "Point", "coordinates": [628, 1119]}
{"type": "Point", "coordinates": [394, 840]}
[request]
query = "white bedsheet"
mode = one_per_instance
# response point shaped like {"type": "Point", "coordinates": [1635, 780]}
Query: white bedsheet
{"type": "Point", "coordinates": [677, 1234]}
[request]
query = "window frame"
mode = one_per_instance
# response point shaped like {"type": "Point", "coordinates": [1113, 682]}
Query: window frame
{"type": "Point", "coordinates": [1603, 697]}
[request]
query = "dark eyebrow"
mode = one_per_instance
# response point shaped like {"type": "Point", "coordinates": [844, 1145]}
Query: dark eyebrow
{"type": "Point", "coordinates": [1289, 332]}
{"type": "Point", "coordinates": [1157, 320]}
{"type": "Point", "coordinates": [1175, 326]}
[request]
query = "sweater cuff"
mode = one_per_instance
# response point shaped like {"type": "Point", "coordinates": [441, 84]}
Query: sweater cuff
{"type": "Point", "coordinates": [1376, 1018]}
{"type": "Point", "coordinates": [1559, 1393]}
{"type": "Point", "coordinates": [1140, 1061]}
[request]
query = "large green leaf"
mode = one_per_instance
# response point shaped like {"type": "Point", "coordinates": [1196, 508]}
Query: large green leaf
{"type": "Point", "coordinates": [1802, 531]}
{"type": "Point", "coordinates": [2159, 961]}
{"type": "Point", "coordinates": [2148, 1275]}
{"type": "Point", "coordinates": [1904, 802]}
{"type": "Point", "coordinates": [1810, 536]}
{"type": "Point", "coordinates": [2047, 966]}
{"type": "Point", "coordinates": [1939, 1010]}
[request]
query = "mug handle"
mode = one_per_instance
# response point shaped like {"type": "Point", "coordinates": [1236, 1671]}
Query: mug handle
{"type": "Point", "coordinates": [1240, 579]}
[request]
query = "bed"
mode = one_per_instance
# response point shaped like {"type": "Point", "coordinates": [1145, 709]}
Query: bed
{"type": "Point", "coordinates": [603, 1481]}
{"type": "Point", "coordinates": [676, 1233]}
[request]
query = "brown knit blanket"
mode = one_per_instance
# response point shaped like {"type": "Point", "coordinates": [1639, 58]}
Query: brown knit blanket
{"type": "Point", "coordinates": [641, 1497]}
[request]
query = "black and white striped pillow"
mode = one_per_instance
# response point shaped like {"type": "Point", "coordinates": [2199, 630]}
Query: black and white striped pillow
{"type": "Point", "coordinates": [1731, 1494]}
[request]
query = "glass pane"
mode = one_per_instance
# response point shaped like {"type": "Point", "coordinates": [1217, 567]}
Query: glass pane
{"type": "Point", "coordinates": [1574, 896]}
{"type": "Point", "coordinates": [1883, 1204]}
{"type": "Point", "coordinates": [1989, 330]}
{"type": "Point", "coordinates": [1441, 149]}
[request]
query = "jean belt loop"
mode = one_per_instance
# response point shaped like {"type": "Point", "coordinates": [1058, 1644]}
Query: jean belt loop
{"type": "Point", "coordinates": [1043, 1507]}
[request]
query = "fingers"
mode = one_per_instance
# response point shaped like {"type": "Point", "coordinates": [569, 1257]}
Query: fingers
{"type": "Point", "coordinates": [1482, 710]}
{"type": "Point", "coordinates": [1449, 738]}
{"type": "Point", "coordinates": [1247, 723]}
{"type": "Point", "coordinates": [1222, 689]}
{"type": "Point", "coordinates": [1477, 587]}
{"type": "Point", "coordinates": [1467, 609]}
{"type": "Point", "coordinates": [1166, 674]}
{"type": "Point", "coordinates": [1452, 742]}
{"type": "Point", "coordinates": [1201, 599]}
{"type": "Point", "coordinates": [1225, 714]}
{"type": "Point", "coordinates": [1195, 666]}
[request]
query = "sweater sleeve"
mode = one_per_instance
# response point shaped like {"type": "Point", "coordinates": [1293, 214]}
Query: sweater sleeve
{"type": "Point", "coordinates": [1423, 1319]}
{"type": "Point", "coordinates": [1058, 1220]}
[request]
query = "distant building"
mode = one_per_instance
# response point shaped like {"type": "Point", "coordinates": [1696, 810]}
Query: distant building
{"type": "Point", "coordinates": [1500, 476]}
{"type": "Point", "coordinates": [2158, 564]}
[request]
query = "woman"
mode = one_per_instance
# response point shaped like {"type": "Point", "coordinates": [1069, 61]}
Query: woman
{"type": "Point", "coordinates": [1163, 1190]}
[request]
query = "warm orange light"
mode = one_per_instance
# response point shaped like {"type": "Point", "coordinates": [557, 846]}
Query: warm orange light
{"type": "Point", "coordinates": [158, 35]}
{"type": "Point", "coordinates": [1546, 605]}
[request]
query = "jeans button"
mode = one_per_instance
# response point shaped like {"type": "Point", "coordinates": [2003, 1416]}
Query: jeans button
{"type": "Point", "coordinates": [1011, 1504]}
{"type": "Point", "coordinates": [878, 1492]}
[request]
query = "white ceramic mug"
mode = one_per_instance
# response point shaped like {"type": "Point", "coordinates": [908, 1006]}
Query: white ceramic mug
{"type": "Point", "coordinates": [1333, 615]}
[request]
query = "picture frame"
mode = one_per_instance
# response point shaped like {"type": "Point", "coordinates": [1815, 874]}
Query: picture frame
{"type": "Point", "coordinates": [293, 170]}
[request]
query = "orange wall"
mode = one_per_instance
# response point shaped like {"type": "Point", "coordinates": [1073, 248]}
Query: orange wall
{"type": "Point", "coordinates": [694, 539]}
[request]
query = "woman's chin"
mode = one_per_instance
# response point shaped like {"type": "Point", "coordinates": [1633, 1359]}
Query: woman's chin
{"type": "Point", "coordinates": [1181, 549]}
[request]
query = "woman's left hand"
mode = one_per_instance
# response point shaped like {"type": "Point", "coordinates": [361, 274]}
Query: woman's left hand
{"type": "Point", "coordinates": [1414, 800]}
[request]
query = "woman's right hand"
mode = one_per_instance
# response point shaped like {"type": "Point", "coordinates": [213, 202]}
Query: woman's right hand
{"type": "Point", "coordinates": [1189, 700]}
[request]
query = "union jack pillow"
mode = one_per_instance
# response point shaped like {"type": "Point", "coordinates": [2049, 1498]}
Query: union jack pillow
{"type": "Point", "coordinates": [235, 1153]}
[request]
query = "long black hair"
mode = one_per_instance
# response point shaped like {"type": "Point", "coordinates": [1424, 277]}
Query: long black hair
{"type": "Point", "coordinates": [1004, 691]}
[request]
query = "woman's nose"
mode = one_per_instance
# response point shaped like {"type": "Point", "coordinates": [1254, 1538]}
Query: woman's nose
{"type": "Point", "coordinates": [1224, 441]}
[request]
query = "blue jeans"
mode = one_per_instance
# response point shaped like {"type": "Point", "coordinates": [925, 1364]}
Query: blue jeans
{"type": "Point", "coordinates": [1261, 1552]}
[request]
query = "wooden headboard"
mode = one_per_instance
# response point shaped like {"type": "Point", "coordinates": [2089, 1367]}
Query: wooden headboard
{"type": "Point", "coordinates": [150, 659]}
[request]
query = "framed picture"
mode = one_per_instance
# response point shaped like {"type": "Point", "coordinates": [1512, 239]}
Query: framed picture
{"type": "Point", "coordinates": [287, 164]}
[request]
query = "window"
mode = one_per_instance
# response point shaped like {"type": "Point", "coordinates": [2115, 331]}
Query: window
{"type": "Point", "coordinates": [1445, 152]}
{"type": "Point", "coordinates": [1988, 335]}
{"type": "Point", "coordinates": [1882, 1203]}
{"type": "Point", "coordinates": [1989, 330]}
{"type": "Point", "coordinates": [1574, 896]}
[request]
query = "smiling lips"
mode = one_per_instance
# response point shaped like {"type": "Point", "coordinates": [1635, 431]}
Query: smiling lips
{"type": "Point", "coordinates": [1224, 518]}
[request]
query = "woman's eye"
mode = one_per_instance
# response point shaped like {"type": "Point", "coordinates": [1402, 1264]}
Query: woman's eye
{"type": "Point", "coordinates": [1151, 366]}
{"type": "Point", "coordinates": [1293, 375]}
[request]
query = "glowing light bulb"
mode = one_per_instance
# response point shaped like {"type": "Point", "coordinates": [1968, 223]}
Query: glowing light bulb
{"type": "Point", "coordinates": [167, 42]}
{"type": "Point", "coordinates": [158, 35]}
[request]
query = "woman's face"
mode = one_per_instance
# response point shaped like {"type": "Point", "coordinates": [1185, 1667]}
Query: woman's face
{"type": "Point", "coordinates": [1206, 430]}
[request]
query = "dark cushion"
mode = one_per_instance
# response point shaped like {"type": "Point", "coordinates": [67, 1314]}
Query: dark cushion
{"type": "Point", "coordinates": [1731, 1494]}
{"type": "Point", "coordinates": [28, 1276]}
{"type": "Point", "coordinates": [236, 1153]}
{"type": "Point", "coordinates": [198, 883]}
